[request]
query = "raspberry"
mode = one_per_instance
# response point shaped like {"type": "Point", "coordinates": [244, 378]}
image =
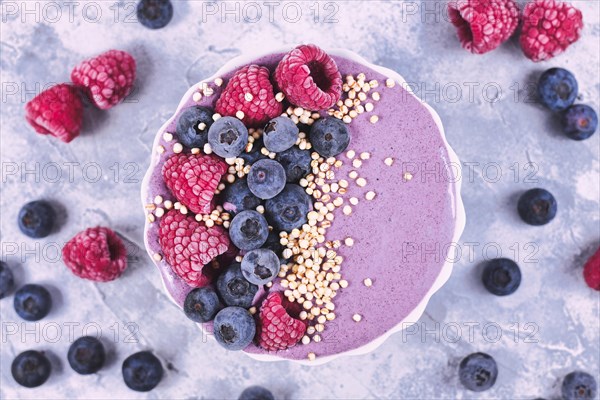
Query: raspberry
{"type": "Point", "coordinates": [56, 111]}
{"type": "Point", "coordinates": [591, 271]}
{"type": "Point", "coordinates": [483, 25]}
{"type": "Point", "coordinates": [277, 330]}
{"type": "Point", "coordinates": [193, 179]}
{"type": "Point", "coordinates": [549, 27]}
{"type": "Point", "coordinates": [189, 245]}
{"type": "Point", "coordinates": [107, 79]}
{"type": "Point", "coordinates": [309, 78]}
{"type": "Point", "coordinates": [251, 92]}
{"type": "Point", "coordinates": [97, 254]}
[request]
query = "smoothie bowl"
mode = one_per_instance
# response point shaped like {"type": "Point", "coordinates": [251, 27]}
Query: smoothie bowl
{"type": "Point", "coordinates": [301, 205]}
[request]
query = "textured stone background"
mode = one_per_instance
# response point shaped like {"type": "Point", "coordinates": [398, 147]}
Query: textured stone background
{"type": "Point", "coordinates": [492, 132]}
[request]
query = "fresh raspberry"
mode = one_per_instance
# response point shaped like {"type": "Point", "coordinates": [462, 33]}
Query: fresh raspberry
{"type": "Point", "coordinates": [277, 329]}
{"type": "Point", "coordinates": [97, 254]}
{"type": "Point", "coordinates": [483, 25]}
{"type": "Point", "coordinates": [591, 271]}
{"type": "Point", "coordinates": [56, 111]}
{"type": "Point", "coordinates": [193, 179]}
{"type": "Point", "coordinates": [549, 27]}
{"type": "Point", "coordinates": [189, 245]}
{"type": "Point", "coordinates": [107, 78]}
{"type": "Point", "coordinates": [251, 92]}
{"type": "Point", "coordinates": [309, 78]}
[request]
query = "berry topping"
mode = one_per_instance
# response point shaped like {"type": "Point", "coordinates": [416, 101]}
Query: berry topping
{"type": "Point", "coordinates": [31, 369]}
{"type": "Point", "coordinates": [237, 197]}
{"type": "Point", "coordinates": [32, 302]}
{"type": "Point", "coordinates": [501, 276]}
{"type": "Point", "coordinates": [193, 179]}
{"type": "Point", "coordinates": [97, 254]}
{"type": "Point", "coordinates": [591, 271]}
{"type": "Point", "coordinates": [295, 162]}
{"type": "Point", "coordinates": [557, 89]}
{"type": "Point", "coordinates": [86, 355]}
{"type": "Point", "coordinates": [36, 219]}
{"type": "Point", "coordinates": [277, 329]}
{"type": "Point", "coordinates": [201, 304]}
{"type": "Point", "coordinates": [537, 207]}
{"type": "Point", "coordinates": [280, 134]}
{"type": "Point", "coordinates": [256, 393]}
{"type": "Point", "coordinates": [580, 121]}
{"type": "Point", "coordinates": [549, 27]}
{"type": "Point", "coordinates": [260, 266]}
{"type": "Point", "coordinates": [309, 78]}
{"type": "Point", "coordinates": [228, 137]}
{"type": "Point", "coordinates": [193, 125]}
{"type": "Point", "coordinates": [250, 92]}
{"type": "Point", "coordinates": [189, 245]}
{"type": "Point", "coordinates": [154, 14]}
{"type": "Point", "coordinates": [287, 210]}
{"type": "Point", "coordinates": [483, 25]}
{"type": "Point", "coordinates": [7, 281]}
{"type": "Point", "coordinates": [579, 385]}
{"type": "Point", "coordinates": [234, 288]}
{"type": "Point", "coordinates": [248, 230]}
{"type": "Point", "coordinates": [57, 111]}
{"type": "Point", "coordinates": [234, 328]}
{"type": "Point", "coordinates": [142, 371]}
{"type": "Point", "coordinates": [478, 372]}
{"type": "Point", "coordinates": [107, 79]}
{"type": "Point", "coordinates": [329, 136]}
{"type": "Point", "coordinates": [266, 178]}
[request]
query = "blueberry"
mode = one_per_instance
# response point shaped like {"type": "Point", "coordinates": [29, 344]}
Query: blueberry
{"type": "Point", "coordinates": [154, 14]}
{"type": "Point", "coordinates": [234, 288]}
{"type": "Point", "coordinates": [234, 328]}
{"type": "Point", "coordinates": [280, 134]}
{"type": "Point", "coordinates": [557, 89]}
{"type": "Point", "coordinates": [228, 137]}
{"type": "Point", "coordinates": [288, 209]}
{"type": "Point", "coordinates": [36, 219]}
{"type": "Point", "coordinates": [295, 162]}
{"type": "Point", "coordinates": [273, 243]}
{"type": "Point", "coordinates": [6, 280]}
{"type": "Point", "coordinates": [256, 393]}
{"type": "Point", "coordinates": [31, 369]}
{"type": "Point", "coordinates": [201, 304]}
{"type": "Point", "coordinates": [248, 230]}
{"type": "Point", "coordinates": [478, 372]}
{"type": "Point", "coordinates": [86, 355]}
{"type": "Point", "coordinates": [266, 178]}
{"type": "Point", "coordinates": [537, 207]}
{"type": "Point", "coordinates": [579, 385]}
{"type": "Point", "coordinates": [580, 121]}
{"type": "Point", "coordinates": [329, 136]}
{"type": "Point", "coordinates": [254, 155]}
{"type": "Point", "coordinates": [237, 197]}
{"type": "Point", "coordinates": [142, 371]}
{"type": "Point", "coordinates": [260, 266]}
{"type": "Point", "coordinates": [501, 276]}
{"type": "Point", "coordinates": [32, 302]}
{"type": "Point", "coordinates": [193, 125]}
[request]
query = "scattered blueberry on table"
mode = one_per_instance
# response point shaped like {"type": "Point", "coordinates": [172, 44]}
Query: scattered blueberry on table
{"type": "Point", "coordinates": [537, 206]}
{"type": "Point", "coordinates": [36, 219]}
{"type": "Point", "coordinates": [580, 121]}
{"type": "Point", "coordinates": [31, 369]}
{"type": "Point", "coordinates": [154, 14]}
{"type": "Point", "coordinates": [557, 89]}
{"type": "Point", "coordinates": [7, 282]}
{"type": "Point", "coordinates": [256, 393]}
{"type": "Point", "coordinates": [86, 355]}
{"type": "Point", "coordinates": [478, 372]}
{"type": "Point", "coordinates": [501, 276]}
{"type": "Point", "coordinates": [579, 385]}
{"type": "Point", "coordinates": [142, 371]}
{"type": "Point", "coordinates": [32, 302]}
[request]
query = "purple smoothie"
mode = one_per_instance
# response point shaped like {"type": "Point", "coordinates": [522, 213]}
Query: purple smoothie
{"type": "Point", "coordinates": [401, 237]}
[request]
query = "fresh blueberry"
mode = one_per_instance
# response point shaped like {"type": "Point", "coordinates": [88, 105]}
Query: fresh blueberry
{"type": "Point", "coordinates": [86, 355]}
{"type": "Point", "coordinates": [287, 210]}
{"type": "Point", "coordinates": [237, 197]}
{"type": "Point", "coordinates": [579, 385]}
{"type": "Point", "coordinates": [280, 134]}
{"type": "Point", "coordinates": [142, 371]}
{"type": "Point", "coordinates": [154, 14]}
{"type": "Point", "coordinates": [31, 369]}
{"type": "Point", "coordinates": [557, 89]}
{"type": "Point", "coordinates": [228, 137]}
{"type": "Point", "coordinates": [256, 393]}
{"type": "Point", "coordinates": [234, 328]}
{"type": "Point", "coordinates": [537, 207]}
{"type": "Point", "coordinates": [6, 280]}
{"type": "Point", "coordinates": [201, 304]}
{"type": "Point", "coordinates": [32, 302]}
{"type": "Point", "coordinates": [234, 288]}
{"type": "Point", "coordinates": [266, 178]}
{"type": "Point", "coordinates": [260, 266]}
{"type": "Point", "coordinates": [273, 243]}
{"type": "Point", "coordinates": [295, 162]}
{"type": "Point", "coordinates": [248, 230]}
{"type": "Point", "coordinates": [478, 372]}
{"type": "Point", "coordinates": [329, 136]}
{"type": "Point", "coordinates": [501, 276]}
{"type": "Point", "coordinates": [193, 125]}
{"type": "Point", "coordinates": [254, 155]}
{"type": "Point", "coordinates": [36, 219]}
{"type": "Point", "coordinates": [580, 121]}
